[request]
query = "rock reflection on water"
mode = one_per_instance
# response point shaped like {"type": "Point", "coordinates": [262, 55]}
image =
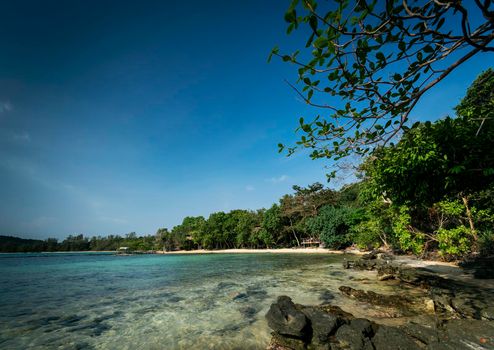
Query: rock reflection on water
{"type": "Point", "coordinates": [155, 302]}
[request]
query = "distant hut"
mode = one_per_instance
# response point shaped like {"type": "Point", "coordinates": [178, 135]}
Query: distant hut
{"type": "Point", "coordinates": [124, 251]}
{"type": "Point", "coordinates": [311, 242]}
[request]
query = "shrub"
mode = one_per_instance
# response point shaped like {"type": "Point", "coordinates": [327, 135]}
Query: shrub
{"type": "Point", "coordinates": [367, 234]}
{"type": "Point", "coordinates": [454, 242]}
{"type": "Point", "coordinates": [408, 238]}
{"type": "Point", "coordinates": [486, 243]}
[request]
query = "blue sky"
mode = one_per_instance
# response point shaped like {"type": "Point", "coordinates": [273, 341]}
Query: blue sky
{"type": "Point", "coordinates": [119, 117]}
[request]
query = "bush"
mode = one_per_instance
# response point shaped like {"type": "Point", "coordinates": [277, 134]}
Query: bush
{"type": "Point", "coordinates": [332, 225]}
{"type": "Point", "coordinates": [408, 238]}
{"type": "Point", "coordinates": [454, 242]}
{"type": "Point", "coordinates": [367, 234]}
{"type": "Point", "coordinates": [486, 243]}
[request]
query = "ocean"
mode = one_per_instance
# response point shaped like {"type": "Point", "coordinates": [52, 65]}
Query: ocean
{"type": "Point", "coordinates": [104, 301]}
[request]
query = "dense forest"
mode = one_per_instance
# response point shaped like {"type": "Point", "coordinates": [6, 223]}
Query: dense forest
{"type": "Point", "coordinates": [432, 191]}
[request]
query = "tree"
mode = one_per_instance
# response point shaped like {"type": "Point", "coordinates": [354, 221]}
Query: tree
{"type": "Point", "coordinates": [304, 203]}
{"type": "Point", "coordinates": [368, 63]}
{"type": "Point", "coordinates": [271, 226]}
{"type": "Point", "coordinates": [453, 157]}
{"type": "Point", "coordinates": [432, 175]}
{"type": "Point", "coordinates": [332, 225]}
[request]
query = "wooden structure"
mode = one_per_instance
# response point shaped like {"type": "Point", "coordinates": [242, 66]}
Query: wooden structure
{"type": "Point", "coordinates": [311, 242]}
{"type": "Point", "coordinates": [124, 251]}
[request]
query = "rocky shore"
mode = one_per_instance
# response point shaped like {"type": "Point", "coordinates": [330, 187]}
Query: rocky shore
{"type": "Point", "coordinates": [454, 313]}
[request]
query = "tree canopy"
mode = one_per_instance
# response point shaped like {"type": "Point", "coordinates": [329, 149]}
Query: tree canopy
{"type": "Point", "coordinates": [366, 64]}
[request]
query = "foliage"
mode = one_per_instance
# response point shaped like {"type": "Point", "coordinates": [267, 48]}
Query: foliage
{"type": "Point", "coordinates": [436, 160]}
{"type": "Point", "coordinates": [455, 242]}
{"type": "Point", "coordinates": [271, 226]}
{"type": "Point", "coordinates": [332, 224]}
{"type": "Point", "coordinates": [367, 234]}
{"type": "Point", "coordinates": [486, 243]}
{"type": "Point", "coordinates": [408, 238]}
{"type": "Point", "coordinates": [304, 203]}
{"type": "Point", "coordinates": [368, 63]}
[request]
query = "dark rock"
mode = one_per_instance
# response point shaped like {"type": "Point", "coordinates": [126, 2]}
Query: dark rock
{"type": "Point", "coordinates": [465, 307]}
{"type": "Point", "coordinates": [370, 256]}
{"type": "Point", "coordinates": [421, 333]}
{"type": "Point", "coordinates": [279, 340]}
{"type": "Point", "coordinates": [285, 319]}
{"type": "Point", "coordinates": [387, 271]}
{"type": "Point", "coordinates": [363, 326]}
{"type": "Point", "coordinates": [248, 312]}
{"type": "Point", "coordinates": [323, 324]}
{"type": "Point", "coordinates": [322, 346]}
{"type": "Point", "coordinates": [256, 293]}
{"type": "Point", "coordinates": [487, 313]}
{"type": "Point", "coordinates": [337, 311]}
{"type": "Point", "coordinates": [468, 334]}
{"type": "Point", "coordinates": [225, 285]}
{"type": "Point", "coordinates": [240, 296]}
{"type": "Point", "coordinates": [390, 338]}
{"type": "Point", "coordinates": [350, 338]}
{"type": "Point", "coordinates": [375, 298]}
{"type": "Point", "coordinates": [326, 296]}
{"type": "Point", "coordinates": [482, 267]}
{"type": "Point", "coordinates": [175, 299]}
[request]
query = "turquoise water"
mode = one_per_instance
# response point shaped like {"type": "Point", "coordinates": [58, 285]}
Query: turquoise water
{"type": "Point", "coordinates": [103, 301]}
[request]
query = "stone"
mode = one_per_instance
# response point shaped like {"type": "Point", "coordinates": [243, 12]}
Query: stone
{"type": "Point", "coordinates": [285, 319]}
{"type": "Point", "coordinates": [487, 313]}
{"type": "Point", "coordinates": [350, 338]}
{"type": "Point", "coordinates": [326, 296]}
{"type": "Point", "coordinates": [240, 296]}
{"type": "Point", "coordinates": [363, 326]}
{"type": "Point", "coordinates": [323, 324]}
{"type": "Point", "coordinates": [375, 298]}
{"type": "Point", "coordinates": [284, 343]}
{"type": "Point", "coordinates": [390, 338]}
{"type": "Point", "coordinates": [469, 334]}
{"type": "Point", "coordinates": [420, 332]}
{"type": "Point", "coordinates": [247, 311]}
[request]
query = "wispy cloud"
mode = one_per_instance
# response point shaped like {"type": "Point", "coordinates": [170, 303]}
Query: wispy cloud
{"type": "Point", "coordinates": [279, 179]}
{"type": "Point", "coordinates": [5, 106]}
{"type": "Point", "coordinates": [249, 188]}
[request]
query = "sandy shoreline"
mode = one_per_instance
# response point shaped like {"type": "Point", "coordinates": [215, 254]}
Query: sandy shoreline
{"type": "Point", "coordinates": [257, 251]}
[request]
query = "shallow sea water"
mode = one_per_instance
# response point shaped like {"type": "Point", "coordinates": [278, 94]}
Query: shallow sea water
{"type": "Point", "coordinates": [214, 301]}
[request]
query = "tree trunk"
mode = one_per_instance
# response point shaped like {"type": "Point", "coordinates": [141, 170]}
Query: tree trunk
{"type": "Point", "coordinates": [469, 216]}
{"type": "Point", "coordinates": [294, 234]}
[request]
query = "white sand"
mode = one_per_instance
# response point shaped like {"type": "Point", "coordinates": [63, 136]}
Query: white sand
{"type": "Point", "coordinates": [256, 251]}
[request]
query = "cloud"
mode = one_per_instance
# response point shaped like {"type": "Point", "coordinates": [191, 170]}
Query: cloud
{"type": "Point", "coordinates": [5, 106]}
{"type": "Point", "coordinates": [276, 180]}
{"type": "Point", "coordinates": [249, 188]}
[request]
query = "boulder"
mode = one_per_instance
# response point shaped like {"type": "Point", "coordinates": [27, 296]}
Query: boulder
{"type": "Point", "coordinates": [280, 342]}
{"type": "Point", "coordinates": [373, 298]}
{"type": "Point", "coordinates": [323, 324]}
{"type": "Point", "coordinates": [350, 338]}
{"type": "Point", "coordinates": [285, 319]}
{"type": "Point", "coordinates": [390, 338]}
